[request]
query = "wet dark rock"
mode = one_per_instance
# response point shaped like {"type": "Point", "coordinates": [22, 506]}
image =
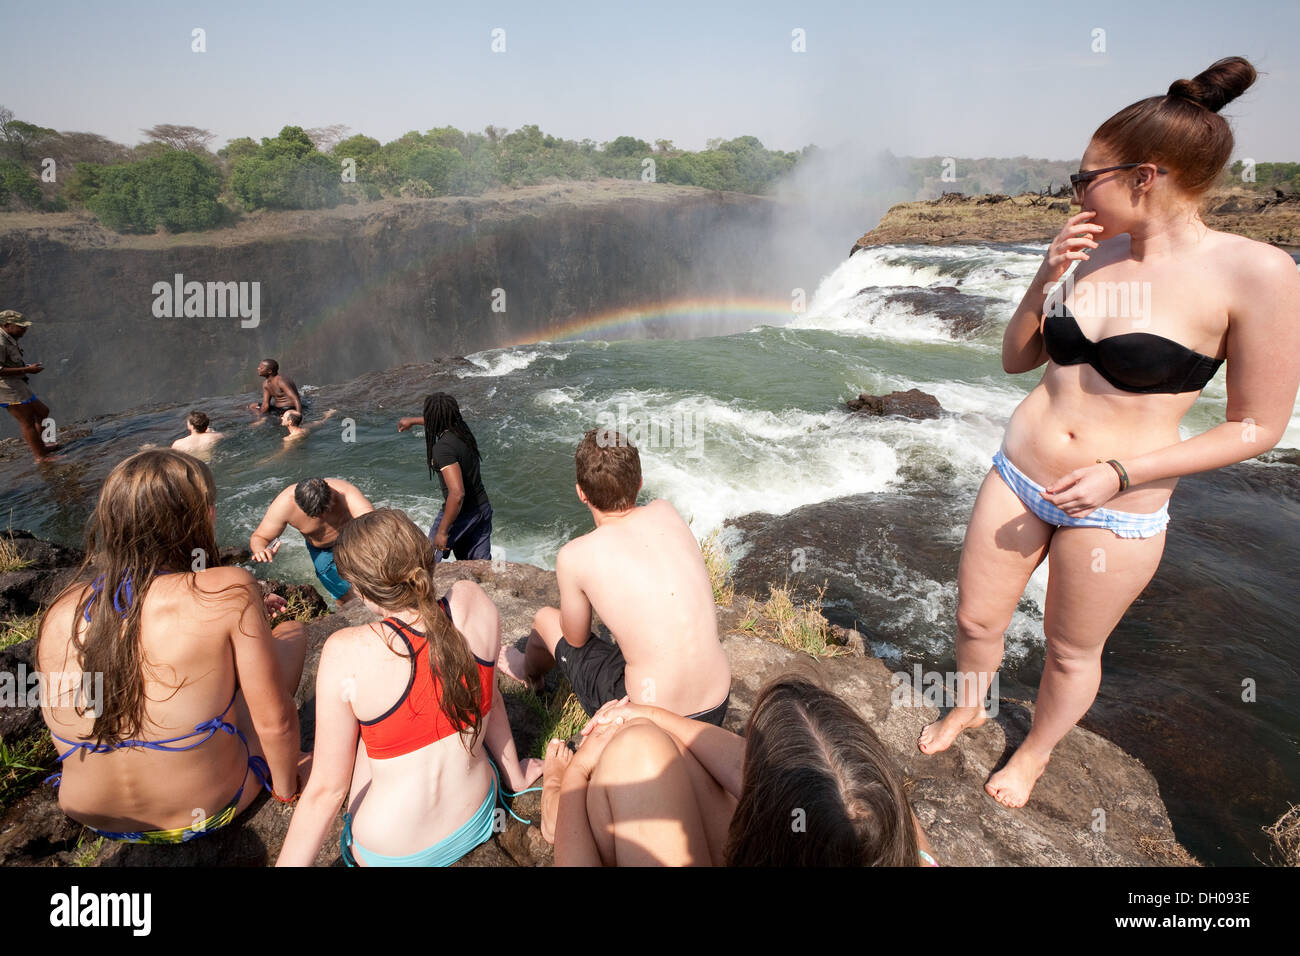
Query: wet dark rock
{"type": "Point", "coordinates": [49, 569]}
{"type": "Point", "coordinates": [965, 314]}
{"type": "Point", "coordinates": [912, 403]}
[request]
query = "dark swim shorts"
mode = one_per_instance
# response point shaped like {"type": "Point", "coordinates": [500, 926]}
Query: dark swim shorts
{"type": "Point", "coordinates": [595, 672]}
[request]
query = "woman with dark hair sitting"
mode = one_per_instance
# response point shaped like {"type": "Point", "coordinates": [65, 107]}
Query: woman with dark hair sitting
{"type": "Point", "coordinates": [195, 711]}
{"type": "Point", "coordinates": [464, 523]}
{"type": "Point", "coordinates": [419, 690]}
{"type": "Point", "coordinates": [810, 784]}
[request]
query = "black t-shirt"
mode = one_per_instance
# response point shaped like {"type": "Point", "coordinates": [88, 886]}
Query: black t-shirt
{"type": "Point", "coordinates": [449, 449]}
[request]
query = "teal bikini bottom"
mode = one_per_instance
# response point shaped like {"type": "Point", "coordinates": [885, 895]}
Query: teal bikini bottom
{"type": "Point", "coordinates": [475, 831]}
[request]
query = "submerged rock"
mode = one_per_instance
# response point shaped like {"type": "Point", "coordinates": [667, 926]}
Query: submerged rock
{"type": "Point", "coordinates": [964, 314]}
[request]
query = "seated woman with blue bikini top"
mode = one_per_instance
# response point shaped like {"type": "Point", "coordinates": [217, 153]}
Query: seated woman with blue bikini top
{"type": "Point", "coordinates": [418, 688]}
{"type": "Point", "coordinates": [196, 711]}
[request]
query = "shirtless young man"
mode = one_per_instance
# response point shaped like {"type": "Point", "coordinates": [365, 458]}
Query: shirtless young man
{"type": "Point", "coordinates": [279, 393]}
{"type": "Point", "coordinates": [318, 507]}
{"type": "Point", "coordinates": [200, 439]}
{"type": "Point", "coordinates": [641, 570]}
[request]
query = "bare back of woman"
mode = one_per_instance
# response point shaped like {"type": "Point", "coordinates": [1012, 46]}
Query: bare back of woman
{"type": "Point", "coordinates": [197, 691]}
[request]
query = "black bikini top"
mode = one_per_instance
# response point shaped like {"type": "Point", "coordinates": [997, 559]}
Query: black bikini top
{"type": "Point", "coordinates": [1132, 362]}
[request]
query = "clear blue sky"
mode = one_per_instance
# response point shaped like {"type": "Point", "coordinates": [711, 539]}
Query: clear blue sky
{"type": "Point", "coordinates": [931, 78]}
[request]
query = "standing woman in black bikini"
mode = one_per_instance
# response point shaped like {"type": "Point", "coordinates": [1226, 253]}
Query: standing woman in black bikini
{"type": "Point", "coordinates": [1101, 427]}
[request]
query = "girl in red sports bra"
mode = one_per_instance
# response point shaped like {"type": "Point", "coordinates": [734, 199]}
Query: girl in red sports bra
{"type": "Point", "coordinates": [418, 689]}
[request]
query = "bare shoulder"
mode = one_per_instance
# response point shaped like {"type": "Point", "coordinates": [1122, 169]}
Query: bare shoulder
{"type": "Point", "coordinates": [347, 642]}
{"type": "Point", "coordinates": [345, 487]}
{"type": "Point", "coordinates": [216, 579]}
{"type": "Point", "coordinates": [475, 616]}
{"type": "Point", "coordinates": [468, 594]}
{"type": "Point", "coordinates": [664, 510]}
{"type": "Point", "coordinates": [1254, 261]}
{"type": "Point", "coordinates": [55, 636]}
{"type": "Point", "coordinates": [576, 554]}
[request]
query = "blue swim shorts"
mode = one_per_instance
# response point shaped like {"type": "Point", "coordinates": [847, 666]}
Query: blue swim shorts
{"type": "Point", "coordinates": [326, 572]}
{"type": "Point", "coordinates": [1125, 524]}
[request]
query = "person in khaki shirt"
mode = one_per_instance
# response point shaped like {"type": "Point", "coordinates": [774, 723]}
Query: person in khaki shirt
{"type": "Point", "coordinates": [15, 394]}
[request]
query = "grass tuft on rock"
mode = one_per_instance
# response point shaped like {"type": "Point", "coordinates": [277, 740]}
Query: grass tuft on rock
{"type": "Point", "coordinates": [10, 558]}
{"type": "Point", "coordinates": [560, 716]}
{"type": "Point", "coordinates": [1285, 834]}
{"type": "Point", "coordinates": [799, 626]}
{"type": "Point", "coordinates": [17, 630]}
{"type": "Point", "coordinates": [715, 559]}
{"type": "Point", "coordinates": [23, 764]}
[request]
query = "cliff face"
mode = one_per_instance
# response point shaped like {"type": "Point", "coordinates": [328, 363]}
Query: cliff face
{"type": "Point", "coordinates": [356, 289]}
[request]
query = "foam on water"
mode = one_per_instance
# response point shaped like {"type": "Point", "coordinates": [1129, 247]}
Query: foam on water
{"type": "Point", "coordinates": [496, 362]}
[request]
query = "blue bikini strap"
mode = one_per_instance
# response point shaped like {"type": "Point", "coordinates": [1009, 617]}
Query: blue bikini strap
{"type": "Point", "coordinates": [120, 606]}
{"type": "Point", "coordinates": [208, 729]}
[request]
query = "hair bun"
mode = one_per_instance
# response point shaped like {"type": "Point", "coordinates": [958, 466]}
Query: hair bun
{"type": "Point", "coordinates": [1217, 86]}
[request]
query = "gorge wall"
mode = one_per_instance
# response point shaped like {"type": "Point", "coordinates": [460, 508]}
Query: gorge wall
{"type": "Point", "coordinates": [360, 288]}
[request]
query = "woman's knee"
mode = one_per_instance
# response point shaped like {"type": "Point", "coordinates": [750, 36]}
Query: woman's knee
{"type": "Point", "coordinates": [545, 619]}
{"type": "Point", "coordinates": [290, 632]}
{"type": "Point", "coordinates": [1068, 658]}
{"type": "Point", "coordinates": [640, 750]}
{"type": "Point", "coordinates": [979, 625]}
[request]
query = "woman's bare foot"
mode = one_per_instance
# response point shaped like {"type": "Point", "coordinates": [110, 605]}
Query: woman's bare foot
{"type": "Point", "coordinates": [511, 663]}
{"type": "Point", "coordinates": [530, 768]}
{"type": "Point", "coordinates": [1011, 785]}
{"type": "Point", "coordinates": [557, 760]}
{"type": "Point", "coordinates": [939, 735]}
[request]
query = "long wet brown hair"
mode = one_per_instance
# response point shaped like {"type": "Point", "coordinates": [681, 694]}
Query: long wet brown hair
{"type": "Point", "coordinates": [153, 516]}
{"type": "Point", "coordinates": [818, 787]}
{"type": "Point", "coordinates": [390, 562]}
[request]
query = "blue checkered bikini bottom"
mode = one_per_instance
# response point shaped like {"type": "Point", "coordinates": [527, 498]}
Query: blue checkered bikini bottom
{"type": "Point", "coordinates": [1124, 524]}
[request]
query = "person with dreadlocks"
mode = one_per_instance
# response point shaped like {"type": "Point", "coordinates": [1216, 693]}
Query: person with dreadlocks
{"type": "Point", "coordinates": [464, 523]}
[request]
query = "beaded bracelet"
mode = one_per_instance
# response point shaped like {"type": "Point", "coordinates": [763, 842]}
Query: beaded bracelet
{"type": "Point", "coordinates": [292, 799]}
{"type": "Point", "coordinates": [1119, 470]}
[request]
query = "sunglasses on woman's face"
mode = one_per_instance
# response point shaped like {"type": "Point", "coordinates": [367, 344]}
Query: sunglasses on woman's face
{"type": "Point", "coordinates": [1081, 179]}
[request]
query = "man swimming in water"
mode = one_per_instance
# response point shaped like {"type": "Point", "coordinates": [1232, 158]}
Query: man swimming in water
{"type": "Point", "coordinates": [297, 430]}
{"type": "Point", "coordinates": [15, 394]}
{"type": "Point", "coordinates": [200, 439]}
{"type": "Point", "coordinates": [317, 507]}
{"type": "Point", "coordinates": [642, 572]}
{"type": "Point", "coordinates": [279, 393]}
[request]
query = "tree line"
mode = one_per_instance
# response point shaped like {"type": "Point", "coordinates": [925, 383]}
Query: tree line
{"type": "Point", "coordinates": [173, 180]}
